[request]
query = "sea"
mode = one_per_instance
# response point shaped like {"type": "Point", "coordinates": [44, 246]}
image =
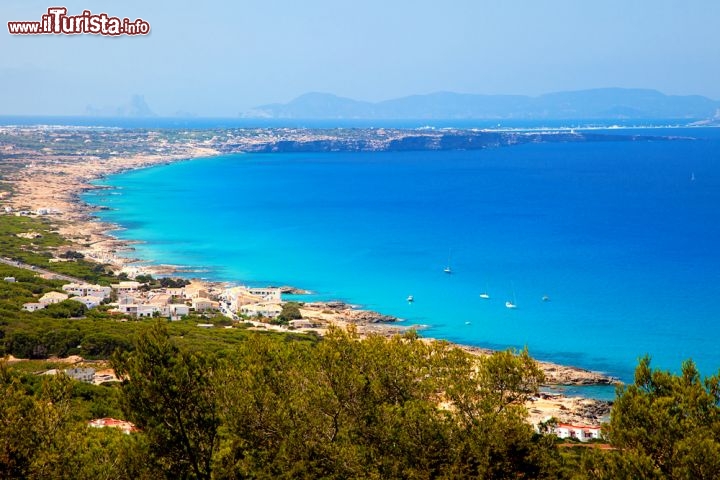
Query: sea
{"type": "Point", "coordinates": [609, 250]}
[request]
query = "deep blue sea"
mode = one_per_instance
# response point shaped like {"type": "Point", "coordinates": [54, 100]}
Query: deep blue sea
{"type": "Point", "coordinates": [623, 237]}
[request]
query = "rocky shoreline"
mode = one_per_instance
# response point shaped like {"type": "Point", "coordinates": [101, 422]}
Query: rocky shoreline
{"type": "Point", "coordinates": [561, 375]}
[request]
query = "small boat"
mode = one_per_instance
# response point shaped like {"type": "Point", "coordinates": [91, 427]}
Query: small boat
{"type": "Point", "coordinates": [467, 323]}
{"type": "Point", "coordinates": [512, 304]}
{"type": "Point", "coordinates": [484, 296]}
{"type": "Point", "coordinates": [447, 269]}
{"type": "Point", "coordinates": [545, 298]}
{"type": "Point", "coordinates": [410, 298]}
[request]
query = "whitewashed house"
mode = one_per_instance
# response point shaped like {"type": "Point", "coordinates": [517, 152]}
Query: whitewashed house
{"type": "Point", "coordinates": [176, 292]}
{"type": "Point", "coordinates": [88, 300]}
{"type": "Point", "coordinates": [52, 297]}
{"type": "Point", "coordinates": [204, 304]}
{"type": "Point", "coordinates": [583, 433]}
{"type": "Point", "coordinates": [175, 310]}
{"type": "Point", "coordinates": [138, 310]}
{"type": "Point", "coordinates": [86, 289]}
{"type": "Point", "coordinates": [126, 287]}
{"type": "Point", "coordinates": [269, 310]}
{"type": "Point", "coordinates": [267, 294]}
{"type": "Point", "coordinates": [127, 299]}
{"type": "Point", "coordinates": [33, 306]}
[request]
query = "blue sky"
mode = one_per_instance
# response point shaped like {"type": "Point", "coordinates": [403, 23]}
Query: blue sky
{"type": "Point", "coordinates": [218, 57]}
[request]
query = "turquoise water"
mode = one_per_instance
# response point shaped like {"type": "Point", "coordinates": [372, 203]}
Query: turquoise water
{"type": "Point", "coordinates": [617, 234]}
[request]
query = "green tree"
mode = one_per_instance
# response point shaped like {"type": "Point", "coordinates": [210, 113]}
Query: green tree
{"type": "Point", "coordinates": [664, 426]}
{"type": "Point", "coordinates": [380, 407]}
{"type": "Point", "coordinates": [66, 309]}
{"type": "Point", "coordinates": [170, 394]}
{"type": "Point", "coordinates": [37, 436]}
{"type": "Point", "coordinates": [40, 437]}
{"type": "Point", "coordinates": [290, 311]}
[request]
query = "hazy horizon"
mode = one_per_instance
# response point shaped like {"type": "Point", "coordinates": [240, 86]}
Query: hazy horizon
{"type": "Point", "coordinates": [222, 58]}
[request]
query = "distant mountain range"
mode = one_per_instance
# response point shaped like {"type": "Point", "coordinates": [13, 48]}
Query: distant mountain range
{"type": "Point", "coordinates": [605, 103]}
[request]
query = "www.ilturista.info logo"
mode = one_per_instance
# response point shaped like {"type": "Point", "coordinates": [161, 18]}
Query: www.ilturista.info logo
{"type": "Point", "coordinates": [57, 21]}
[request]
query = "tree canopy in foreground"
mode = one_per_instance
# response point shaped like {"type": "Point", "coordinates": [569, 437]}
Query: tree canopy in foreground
{"type": "Point", "coordinates": [342, 407]}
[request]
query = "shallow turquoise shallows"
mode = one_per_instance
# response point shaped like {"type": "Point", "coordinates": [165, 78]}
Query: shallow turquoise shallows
{"type": "Point", "coordinates": [622, 238]}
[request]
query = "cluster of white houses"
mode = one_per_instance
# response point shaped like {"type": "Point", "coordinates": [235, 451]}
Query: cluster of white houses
{"type": "Point", "coordinates": [39, 211]}
{"type": "Point", "coordinates": [89, 295]}
{"type": "Point", "coordinates": [173, 303]}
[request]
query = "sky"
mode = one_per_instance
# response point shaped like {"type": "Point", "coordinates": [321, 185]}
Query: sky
{"type": "Point", "coordinates": [218, 58]}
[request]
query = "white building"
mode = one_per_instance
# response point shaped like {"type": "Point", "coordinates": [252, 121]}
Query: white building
{"type": "Point", "coordinates": [88, 300]}
{"type": "Point", "coordinates": [269, 310]}
{"type": "Point", "coordinates": [9, 279]}
{"type": "Point", "coordinates": [577, 432]}
{"type": "Point", "coordinates": [86, 289]}
{"type": "Point", "coordinates": [138, 310]}
{"type": "Point", "coordinates": [46, 211]}
{"type": "Point", "coordinates": [175, 310]}
{"type": "Point", "coordinates": [127, 299]}
{"type": "Point", "coordinates": [52, 297]}
{"type": "Point", "coordinates": [237, 297]}
{"type": "Point", "coordinates": [176, 292]}
{"type": "Point", "coordinates": [126, 287]}
{"type": "Point", "coordinates": [33, 306]}
{"type": "Point", "coordinates": [204, 304]}
{"type": "Point", "coordinates": [267, 294]}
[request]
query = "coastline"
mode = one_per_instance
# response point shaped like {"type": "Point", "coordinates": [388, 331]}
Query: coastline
{"type": "Point", "coordinates": [59, 186]}
{"type": "Point", "coordinates": [58, 183]}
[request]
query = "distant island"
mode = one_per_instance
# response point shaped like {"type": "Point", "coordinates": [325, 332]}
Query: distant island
{"type": "Point", "coordinates": [135, 107]}
{"type": "Point", "coordinates": [604, 104]}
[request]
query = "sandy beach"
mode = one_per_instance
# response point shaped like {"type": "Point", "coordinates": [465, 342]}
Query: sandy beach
{"type": "Point", "coordinates": [54, 183]}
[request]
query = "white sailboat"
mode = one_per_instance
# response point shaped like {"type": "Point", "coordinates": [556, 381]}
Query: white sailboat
{"type": "Point", "coordinates": [447, 269]}
{"type": "Point", "coordinates": [511, 304]}
{"type": "Point", "coordinates": [410, 299]}
{"type": "Point", "coordinates": [485, 295]}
